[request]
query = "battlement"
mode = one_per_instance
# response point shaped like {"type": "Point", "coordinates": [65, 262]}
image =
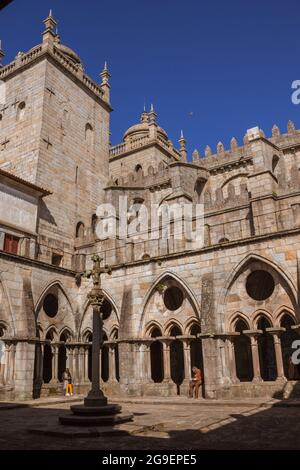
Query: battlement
{"type": "Point", "coordinates": [152, 177]}
{"type": "Point", "coordinates": [238, 153]}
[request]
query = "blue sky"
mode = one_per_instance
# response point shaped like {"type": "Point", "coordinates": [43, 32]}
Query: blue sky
{"type": "Point", "coordinates": [212, 68]}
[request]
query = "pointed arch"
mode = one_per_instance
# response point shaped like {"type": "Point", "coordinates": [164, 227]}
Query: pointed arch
{"type": "Point", "coordinates": [262, 313]}
{"type": "Point", "coordinates": [66, 329]}
{"type": "Point", "coordinates": [50, 329]}
{"type": "Point", "coordinates": [86, 306]}
{"type": "Point", "coordinates": [189, 325]}
{"type": "Point", "coordinates": [235, 317]}
{"type": "Point", "coordinates": [169, 274]}
{"type": "Point", "coordinates": [46, 289]}
{"type": "Point", "coordinates": [170, 324]}
{"type": "Point", "coordinates": [151, 325]}
{"type": "Point", "coordinates": [239, 268]}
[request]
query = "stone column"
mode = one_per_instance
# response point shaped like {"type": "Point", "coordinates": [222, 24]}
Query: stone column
{"type": "Point", "coordinates": [147, 360]}
{"type": "Point", "coordinates": [86, 363]}
{"type": "Point", "coordinates": [81, 364]}
{"type": "Point", "coordinates": [231, 357]}
{"type": "Point", "coordinates": [253, 334]}
{"type": "Point", "coordinates": [70, 358]}
{"type": "Point", "coordinates": [76, 365]}
{"type": "Point", "coordinates": [138, 361]}
{"type": "Point", "coordinates": [54, 350]}
{"type": "Point", "coordinates": [167, 359]}
{"type": "Point", "coordinates": [7, 363]}
{"type": "Point", "coordinates": [276, 332]}
{"type": "Point", "coordinates": [112, 363]}
{"type": "Point", "coordinates": [187, 359]}
{"type": "Point", "coordinates": [41, 364]}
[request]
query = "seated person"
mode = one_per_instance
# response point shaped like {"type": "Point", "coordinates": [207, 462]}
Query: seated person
{"type": "Point", "coordinates": [195, 382]}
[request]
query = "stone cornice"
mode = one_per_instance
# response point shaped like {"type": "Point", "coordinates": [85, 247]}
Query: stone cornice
{"type": "Point", "coordinates": [36, 263]}
{"type": "Point", "coordinates": [45, 51]}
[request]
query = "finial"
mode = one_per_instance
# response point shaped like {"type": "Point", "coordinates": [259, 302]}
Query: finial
{"type": "Point", "coordinates": [50, 22]}
{"type": "Point", "coordinates": [207, 151]}
{"type": "Point", "coordinates": [195, 156]}
{"type": "Point", "coordinates": [144, 115]}
{"type": "Point", "coordinates": [291, 127]}
{"type": "Point", "coordinates": [152, 114]}
{"type": "Point", "coordinates": [182, 149]}
{"type": "Point", "coordinates": [275, 131]}
{"type": "Point", "coordinates": [105, 75]}
{"type": "Point", "coordinates": [233, 143]}
{"type": "Point", "coordinates": [220, 148]}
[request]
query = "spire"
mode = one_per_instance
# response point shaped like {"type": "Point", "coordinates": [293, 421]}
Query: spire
{"type": "Point", "coordinates": [1, 53]}
{"type": "Point", "coordinates": [207, 151]}
{"type": "Point", "coordinates": [182, 148]}
{"type": "Point", "coordinates": [275, 131]}
{"type": "Point", "coordinates": [105, 75]}
{"type": "Point", "coordinates": [49, 34]}
{"type": "Point", "coordinates": [233, 143]}
{"type": "Point", "coordinates": [290, 127]}
{"type": "Point", "coordinates": [105, 86]}
{"type": "Point", "coordinates": [152, 115]}
{"type": "Point", "coordinates": [144, 115]}
{"type": "Point", "coordinates": [195, 156]}
{"type": "Point", "coordinates": [50, 22]}
{"type": "Point", "coordinates": [220, 148]}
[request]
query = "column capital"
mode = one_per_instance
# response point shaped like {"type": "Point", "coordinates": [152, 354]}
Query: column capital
{"type": "Point", "coordinates": [276, 331]}
{"type": "Point", "coordinates": [252, 333]}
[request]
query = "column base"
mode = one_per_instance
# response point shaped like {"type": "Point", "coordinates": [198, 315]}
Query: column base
{"type": "Point", "coordinates": [257, 379]}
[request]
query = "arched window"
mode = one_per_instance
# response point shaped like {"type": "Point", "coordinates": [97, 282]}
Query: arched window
{"type": "Point", "coordinates": [156, 357]}
{"type": "Point", "coordinates": [62, 355]}
{"type": "Point", "coordinates": [138, 168]}
{"type": "Point", "coordinates": [89, 134]}
{"type": "Point", "coordinates": [266, 351]}
{"type": "Point", "coordinates": [80, 230]}
{"type": "Point", "coordinates": [21, 110]}
{"type": "Point", "coordinates": [176, 358]}
{"type": "Point", "coordinates": [291, 371]}
{"type": "Point", "coordinates": [47, 360]}
{"type": "Point", "coordinates": [198, 190]}
{"type": "Point", "coordinates": [196, 351]}
{"type": "Point", "coordinates": [242, 352]}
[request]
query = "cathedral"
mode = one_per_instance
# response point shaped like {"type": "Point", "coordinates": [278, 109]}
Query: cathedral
{"type": "Point", "coordinates": [229, 307]}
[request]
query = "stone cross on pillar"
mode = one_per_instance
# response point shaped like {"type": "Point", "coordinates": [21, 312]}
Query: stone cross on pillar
{"type": "Point", "coordinates": [96, 297]}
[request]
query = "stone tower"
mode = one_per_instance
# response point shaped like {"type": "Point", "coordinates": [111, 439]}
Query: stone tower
{"type": "Point", "coordinates": [54, 132]}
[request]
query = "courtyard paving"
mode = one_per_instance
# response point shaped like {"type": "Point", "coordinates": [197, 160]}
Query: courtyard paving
{"type": "Point", "coordinates": [177, 424]}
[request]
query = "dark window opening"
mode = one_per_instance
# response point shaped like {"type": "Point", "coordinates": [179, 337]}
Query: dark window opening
{"type": "Point", "coordinates": [50, 305]}
{"type": "Point", "coordinates": [56, 259]}
{"type": "Point", "coordinates": [260, 285]}
{"type": "Point", "coordinates": [173, 298]}
{"type": "Point", "coordinates": [11, 244]}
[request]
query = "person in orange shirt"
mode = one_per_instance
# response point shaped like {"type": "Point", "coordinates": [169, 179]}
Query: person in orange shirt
{"type": "Point", "coordinates": [195, 382]}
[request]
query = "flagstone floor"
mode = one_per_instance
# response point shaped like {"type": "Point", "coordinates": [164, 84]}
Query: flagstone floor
{"type": "Point", "coordinates": [158, 426]}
